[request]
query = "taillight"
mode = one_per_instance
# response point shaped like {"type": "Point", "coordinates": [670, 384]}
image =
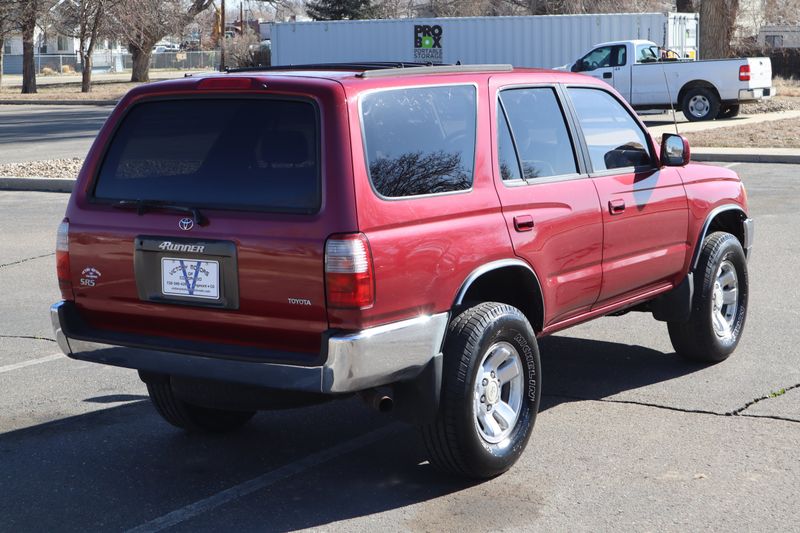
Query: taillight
{"type": "Point", "coordinates": [349, 276]}
{"type": "Point", "coordinates": [62, 260]}
{"type": "Point", "coordinates": [744, 73]}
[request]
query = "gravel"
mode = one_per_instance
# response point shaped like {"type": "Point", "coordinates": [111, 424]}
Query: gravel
{"type": "Point", "coordinates": [51, 168]}
{"type": "Point", "coordinates": [771, 106]}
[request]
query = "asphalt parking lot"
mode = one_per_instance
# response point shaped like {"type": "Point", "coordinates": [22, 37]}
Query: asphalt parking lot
{"type": "Point", "coordinates": [630, 437]}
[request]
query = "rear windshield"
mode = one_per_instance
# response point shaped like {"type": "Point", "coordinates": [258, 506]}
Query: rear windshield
{"type": "Point", "coordinates": [420, 141]}
{"type": "Point", "coordinates": [241, 154]}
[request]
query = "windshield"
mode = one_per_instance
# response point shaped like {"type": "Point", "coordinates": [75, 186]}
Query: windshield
{"type": "Point", "coordinates": [248, 153]}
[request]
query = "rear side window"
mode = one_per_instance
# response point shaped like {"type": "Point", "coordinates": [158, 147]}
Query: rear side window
{"type": "Point", "coordinates": [540, 132]}
{"type": "Point", "coordinates": [257, 154]}
{"type": "Point", "coordinates": [420, 141]}
{"type": "Point", "coordinates": [614, 139]}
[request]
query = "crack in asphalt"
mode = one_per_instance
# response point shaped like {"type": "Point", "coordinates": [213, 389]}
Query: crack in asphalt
{"type": "Point", "coordinates": [737, 412]}
{"type": "Point", "coordinates": [27, 259]}
{"type": "Point", "coordinates": [30, 337]}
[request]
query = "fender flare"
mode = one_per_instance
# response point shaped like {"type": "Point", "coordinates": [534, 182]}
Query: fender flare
{"type": "Point", "coordinates": [707, 224]}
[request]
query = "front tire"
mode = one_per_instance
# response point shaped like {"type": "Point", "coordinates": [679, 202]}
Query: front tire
{"type": "Point", "coordinates": [719, 307]}
{"type": "Point", "coordinates": [189, 417]}
{"type": "Point", "coordinates": [491, 387]}
{"type": "Point", "coordinates": [700, 103]}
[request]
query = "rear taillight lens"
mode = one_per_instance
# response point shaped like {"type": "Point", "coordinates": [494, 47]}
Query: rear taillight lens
{"type": "Point", "coordinates": [62, 260]}
{"type": "Point", "coordinates": [349, 276]}
{"type": "Point", "coordinates": [744, 73]}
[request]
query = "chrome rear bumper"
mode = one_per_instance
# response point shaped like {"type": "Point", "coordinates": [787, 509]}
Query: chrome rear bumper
{"type": "Point", "coordinates": [355, 361]}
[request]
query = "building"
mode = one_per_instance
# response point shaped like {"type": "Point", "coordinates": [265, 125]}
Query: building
{"type": "Point", "coordinates": [779, 36]}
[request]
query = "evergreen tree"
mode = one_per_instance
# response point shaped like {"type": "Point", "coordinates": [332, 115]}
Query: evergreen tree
{"type": "Point", "coordinates": [340, 10]}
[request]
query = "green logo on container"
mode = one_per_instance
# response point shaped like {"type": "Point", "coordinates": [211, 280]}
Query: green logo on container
{"type": "Point", "coordinates": [428, 43]}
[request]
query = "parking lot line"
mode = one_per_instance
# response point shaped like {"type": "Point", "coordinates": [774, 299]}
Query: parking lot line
{"type": "Point", "coordinates": [265, 480]}
{"type": "Point", "coordinates": [45, 359]}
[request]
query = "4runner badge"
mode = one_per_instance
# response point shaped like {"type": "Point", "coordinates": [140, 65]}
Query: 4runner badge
{"type": "Point", "coordinates": [186, 224]}
{"type": "Point", "coordinates": [172, 247]}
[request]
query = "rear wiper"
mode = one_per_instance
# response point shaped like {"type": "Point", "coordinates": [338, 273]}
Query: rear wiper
{"type": "Point", "coordinates": [142, 206]}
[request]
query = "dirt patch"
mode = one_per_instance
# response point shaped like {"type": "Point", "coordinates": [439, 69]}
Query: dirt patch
{"type": "Point", "coordinates": [52, 168]}
{"type": "Point", "coordinates": [773, 134]}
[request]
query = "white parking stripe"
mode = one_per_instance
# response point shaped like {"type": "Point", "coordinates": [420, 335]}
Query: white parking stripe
{"type": "Point", "coordinates": [45, 359]}
{"type": "Point", "coordinates": [731, 165]}
{"type": "Point", "coordinates": [265, 480]}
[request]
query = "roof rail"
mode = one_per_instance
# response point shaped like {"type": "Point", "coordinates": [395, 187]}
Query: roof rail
{"type": "Point", "coordinates": [355, 65]}
{"type": "Point", "coordinates": [435, 69]}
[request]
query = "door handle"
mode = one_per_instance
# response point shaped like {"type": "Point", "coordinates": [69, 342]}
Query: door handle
{"type": "Point", "coordinates": [615, 207]}
{"type": "Point", "coordinates": [523, 223]}
{"type": "Point", "coordinates": [606, 75]}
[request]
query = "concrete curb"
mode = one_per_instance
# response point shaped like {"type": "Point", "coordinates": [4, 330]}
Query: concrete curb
{"type": "Point", "coordinates": [58, 102]}
{"type": "Point", "coordinates": [37, 184]}
{"type": "Point", "coordinates": [793, 159]}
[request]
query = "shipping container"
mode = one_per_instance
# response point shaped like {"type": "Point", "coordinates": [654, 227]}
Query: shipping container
{"type": "Point", "coordinates": [532, 41]}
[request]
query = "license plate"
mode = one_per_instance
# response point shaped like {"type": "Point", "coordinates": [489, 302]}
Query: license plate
{"type": "Point", "coordinates": [191, 278]}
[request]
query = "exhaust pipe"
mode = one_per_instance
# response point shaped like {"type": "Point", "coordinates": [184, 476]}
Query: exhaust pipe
{"type": "Point", "coordinates": [383, 403]}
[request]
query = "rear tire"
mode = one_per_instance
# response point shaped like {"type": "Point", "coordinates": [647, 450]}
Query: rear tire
{"type": "Point", "coordinates": [719, 306]}
{"type": "Point", "coordinates": [700, 103]}
{"type": "Point", "coordinates": [491, 386]}
{"type": "Point", "coordinates": [728, 111]}
{"type": "Point", "coordinates": [193, 418]}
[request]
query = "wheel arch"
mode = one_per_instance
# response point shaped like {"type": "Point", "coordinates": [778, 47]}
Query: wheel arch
{"type": "Point", "coordinates": [689, 85]}
{"type": "Point", "coordinates": [500, 281]}
{"type": "Point", "coordinates": [729, 218]}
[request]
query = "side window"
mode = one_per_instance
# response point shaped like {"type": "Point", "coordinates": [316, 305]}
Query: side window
{"type": "Point", "coordinates": [614, 138]}
{"type": "Point", "coordinates": [540, 132]}
{"type": "Point", "coordinates": [506, 154]}
{"type": "Point", "coordinates": [420, 141]}
{"type": "Point", "coordinates": [599, 57]}
{"type": "Point", "coordinates": [646, 53]}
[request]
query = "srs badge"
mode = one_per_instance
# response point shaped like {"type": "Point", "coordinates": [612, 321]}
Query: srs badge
{"type": "Point", "coordinates": [89, 277]}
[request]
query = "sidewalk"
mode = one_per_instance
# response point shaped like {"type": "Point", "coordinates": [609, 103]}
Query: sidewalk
{"type": "Point", "coordinates": [663, 124]}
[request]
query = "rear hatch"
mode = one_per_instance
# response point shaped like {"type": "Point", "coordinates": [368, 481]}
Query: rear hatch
{"type": "Point", "coordinates": [760, 72]}
{"type": "Point", "coordinates": [202, 222]}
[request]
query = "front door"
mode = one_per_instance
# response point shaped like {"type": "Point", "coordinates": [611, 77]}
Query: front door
{"type": "Point", "coordinates": [645, 212]}
{"type": "Point", "coordinates": [550, 206]}
{"type": "Point", "coordinates": [608, 63]}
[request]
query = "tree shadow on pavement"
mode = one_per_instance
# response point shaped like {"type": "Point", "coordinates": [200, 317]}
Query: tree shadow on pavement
{"type": "Point", "coordinates": [121, 467]}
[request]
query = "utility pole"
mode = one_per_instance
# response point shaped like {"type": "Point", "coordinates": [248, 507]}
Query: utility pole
{"type": "Point", "coordinates": [222, 37]}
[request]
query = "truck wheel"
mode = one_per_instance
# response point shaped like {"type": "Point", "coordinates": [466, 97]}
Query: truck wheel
{"type": "Point", "coordinates": [193, 418]}
{"type": "Point", "coordinates": [729, 111]}
{"type": "Point", "coordinates": [700, 104]}
{"type": "Point", "coordinates": [719, 308]}
{"type": "Point", "coordinates": [490, 392]}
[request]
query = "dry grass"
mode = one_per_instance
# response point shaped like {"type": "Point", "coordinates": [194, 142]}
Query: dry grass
{"type": "Point", "coordinates": [783, 133]}
{"type": "Point", "coordinates": [100, 91]}
{"type": "Point", "coordinates": [787, 86]}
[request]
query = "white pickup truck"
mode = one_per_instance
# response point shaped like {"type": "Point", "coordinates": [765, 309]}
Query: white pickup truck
{"type": "Point", "coordinates": [703, 90]}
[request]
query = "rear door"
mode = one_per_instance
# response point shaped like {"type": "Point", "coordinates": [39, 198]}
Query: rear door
{"type": "Point", "coordinates": [207, 219]}
{"type": "Point", "coordinates": [645, 213]}
{"type": "Point", "coordinates": [549, 203]}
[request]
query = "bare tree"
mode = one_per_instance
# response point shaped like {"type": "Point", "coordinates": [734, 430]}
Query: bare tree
{"type": "Point", "coordinates": [85, 20]}
{"type": "Point", "coordinates": [145, 22]}
{"type": "Point", "coordinates": [717, 23]}
{"type": "Point", "coordinates": [27, 14]}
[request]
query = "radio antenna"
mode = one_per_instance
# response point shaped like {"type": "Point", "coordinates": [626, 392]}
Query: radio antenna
{"type": "Point", "coordinates": [669, 95]}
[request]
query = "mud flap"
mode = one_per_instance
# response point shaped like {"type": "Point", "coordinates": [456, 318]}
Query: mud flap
{"type": "Point", "coordinates": [675, 305]}
{"type": "Point", "coordinates": [417, 401]}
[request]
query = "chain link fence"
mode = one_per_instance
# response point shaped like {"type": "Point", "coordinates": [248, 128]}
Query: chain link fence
{"type": "Point", "coordinates": [109, 61]}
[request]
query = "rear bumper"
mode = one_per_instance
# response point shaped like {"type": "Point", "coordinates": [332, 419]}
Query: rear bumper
{"type": "Point", "coordinates": [355, 361]}
{"type": "Point", "coordinates": [753, 95]}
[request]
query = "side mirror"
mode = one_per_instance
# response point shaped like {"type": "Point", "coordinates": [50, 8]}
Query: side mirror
{"type": "Point", "coordinates": [674, 150]}
{"type": "Point", "coordinates": [578, 66]}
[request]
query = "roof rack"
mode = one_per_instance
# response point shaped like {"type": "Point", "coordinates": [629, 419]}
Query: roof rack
{"type": "Point", "coordinates": [436, 69]}
{"type": "Point", "coordinates": [379, 69]}
{"type": "Point", "coordinates": [356, 65]}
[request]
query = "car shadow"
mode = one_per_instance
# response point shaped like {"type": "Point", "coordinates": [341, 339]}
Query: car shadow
{"type": "Point", "coordinates": [122, 466]}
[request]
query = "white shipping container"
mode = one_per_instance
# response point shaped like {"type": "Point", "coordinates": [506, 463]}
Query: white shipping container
{"type": "Point", "coordinates": [533, 41]}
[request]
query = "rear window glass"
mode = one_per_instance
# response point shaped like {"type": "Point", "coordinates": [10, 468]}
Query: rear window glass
{"type": "Point", "coordinates": [420, 141]}
{"type": "Point", "coordinates": [245, 153]}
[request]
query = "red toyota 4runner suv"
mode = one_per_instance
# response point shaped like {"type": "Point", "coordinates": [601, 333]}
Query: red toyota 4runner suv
{"type": "Point", "coordinates": [267, 239]}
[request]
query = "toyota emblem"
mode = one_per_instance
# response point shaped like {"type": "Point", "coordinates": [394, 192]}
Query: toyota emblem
{"type": "Point", "coordinates": [186, 224]}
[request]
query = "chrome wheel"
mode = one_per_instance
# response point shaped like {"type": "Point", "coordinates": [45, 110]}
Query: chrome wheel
{"type": "Point", "coordinates": [499, 389]}
{"type": "Point", "coordinates": [724, 300]}
{"type": "Point", "coordinates": [699, 106]}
